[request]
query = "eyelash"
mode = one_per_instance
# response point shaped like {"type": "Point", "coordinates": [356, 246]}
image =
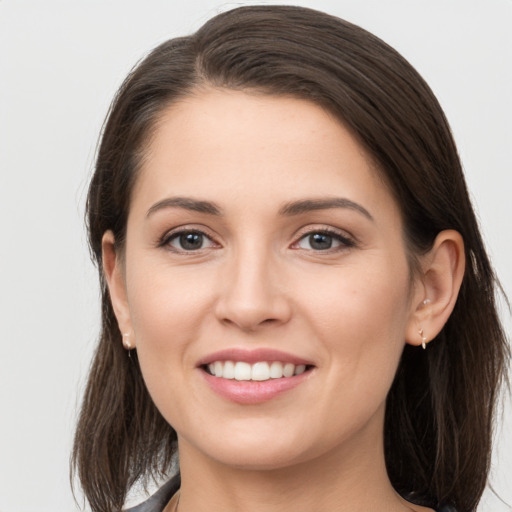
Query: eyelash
{"type": "Point", "coordinates": [345, 242]}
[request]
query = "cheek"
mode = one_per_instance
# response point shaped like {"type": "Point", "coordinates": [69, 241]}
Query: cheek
{"type": "Point", "coordinates": [165, 302]}
{"type": "Point", "coordinates": [369, 303]}
{"type": "Point", "coordinates": [360, 324]}
{"type": "Point", "coordinates": [360, 318]}
{"type": "Point", "coordinates": [167, 310]}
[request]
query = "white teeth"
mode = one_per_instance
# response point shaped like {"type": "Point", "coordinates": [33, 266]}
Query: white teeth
{"type": "Point", "coordinates": [300, 369]}
{"type": "Point", "coordinates": [242, 371]}
{"type": "Point", "coordinates": [229, 370]}
{"type": "Point", "coordinates": [288, 369]}
{"type": "Point", "coordinates": [259, 371]}
{"type": "Point", "coordinates": [276, 370]}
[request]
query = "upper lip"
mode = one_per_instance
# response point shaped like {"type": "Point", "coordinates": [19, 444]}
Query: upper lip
{"type": "Point", "coordinates": [253, 356]}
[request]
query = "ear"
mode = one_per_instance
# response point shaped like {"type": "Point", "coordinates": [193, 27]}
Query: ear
{"type": "Point", "coordinates": [113, 272]}
{"type": "Point", "coordinates": [442, 270]}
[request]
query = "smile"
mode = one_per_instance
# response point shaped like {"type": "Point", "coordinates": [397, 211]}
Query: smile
{"type": "Point", "coordinates": [254, 376]}
{"type": "Point", "coordinates": [259, 371]}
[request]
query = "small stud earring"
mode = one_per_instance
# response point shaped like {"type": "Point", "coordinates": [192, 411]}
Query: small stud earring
{"type": "Point", "coordinates": [426, 301]}
{"type": "Point", "coordinates": [126, 341]}
{"type": "Point", "coordinates": [423, 339]}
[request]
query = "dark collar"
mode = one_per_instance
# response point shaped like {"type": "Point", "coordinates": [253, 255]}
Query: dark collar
{"type": "Point", "coordinates": [158, 501]}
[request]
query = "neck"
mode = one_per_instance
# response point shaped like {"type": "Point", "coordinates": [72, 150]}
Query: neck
{"type": "Point", "coordinates": [351, 477]}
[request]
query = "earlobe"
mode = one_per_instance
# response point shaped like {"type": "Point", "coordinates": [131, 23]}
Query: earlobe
{"type": "Point", "coordinates": [441, 277]}
{"type": "Point", "coordinates": [113, 272]}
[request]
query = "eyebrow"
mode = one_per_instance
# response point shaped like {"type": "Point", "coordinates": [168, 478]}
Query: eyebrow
{"type": "Point", "coordinates": [187, 203]}
{"type": "Point", "coordinates": [308, 205]}
{"type": "Point", "coordinates": [289, 209]}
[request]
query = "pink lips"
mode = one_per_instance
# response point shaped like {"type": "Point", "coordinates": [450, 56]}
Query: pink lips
{"type": "Point", "coordinates": [252, 392]}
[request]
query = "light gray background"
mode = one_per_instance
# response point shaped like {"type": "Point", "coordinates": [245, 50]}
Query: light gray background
{"type": "Point", "coordinates": [60, 64]}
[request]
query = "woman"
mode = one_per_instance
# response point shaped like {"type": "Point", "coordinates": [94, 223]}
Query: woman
{"type": "Point", "coordinates": [281, 224]}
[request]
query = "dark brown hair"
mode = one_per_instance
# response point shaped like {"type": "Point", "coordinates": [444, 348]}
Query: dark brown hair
{"type": "Point", "coordinates": [440, 409]}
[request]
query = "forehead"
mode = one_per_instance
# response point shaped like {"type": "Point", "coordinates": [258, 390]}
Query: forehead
{"type": "Point", "coordinates": [245, 145]}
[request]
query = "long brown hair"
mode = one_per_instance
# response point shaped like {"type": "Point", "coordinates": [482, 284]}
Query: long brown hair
{"type": "Point", "coordinates": [440, 409]}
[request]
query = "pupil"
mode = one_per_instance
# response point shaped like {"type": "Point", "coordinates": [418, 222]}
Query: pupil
{"type": "Point", "coordinates": [320, 241]}
{"type": "Point", "coordinates": [191, 241]}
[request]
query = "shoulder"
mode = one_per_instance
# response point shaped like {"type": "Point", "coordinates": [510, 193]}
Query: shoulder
{"type": "Point", "coordinates": [158, 501]}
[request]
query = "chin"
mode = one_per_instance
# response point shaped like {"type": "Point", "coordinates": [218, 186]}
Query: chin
{"type": "Point", "coordinates": [251, 451]}
{"type": "Point", "coordinates": [258, 459]}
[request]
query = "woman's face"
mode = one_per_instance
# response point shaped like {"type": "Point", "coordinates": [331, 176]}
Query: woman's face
{"type": "Point", "coordinates": [261, 243]}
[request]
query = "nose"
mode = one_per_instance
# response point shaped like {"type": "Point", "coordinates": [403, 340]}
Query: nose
{"type": "Point", "coordinates": [253, 293]}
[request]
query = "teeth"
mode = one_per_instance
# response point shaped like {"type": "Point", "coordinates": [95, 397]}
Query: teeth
{"type": "Point", "coordinates": [301, 368]}
{"type": "Point", "coordinates": [276, 370]}
{"type": "Point", "coordinates": [259, 371]}
{"type": "Point", "coordinates": [288, 369]}
{"type": "Point", "coordinates": [228, 372]}
{"type": "Point", "coordinates": [242, 371]}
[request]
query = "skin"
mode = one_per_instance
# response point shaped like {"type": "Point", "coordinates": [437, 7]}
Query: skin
{"type": "Point", "coordinates": [257, 282]}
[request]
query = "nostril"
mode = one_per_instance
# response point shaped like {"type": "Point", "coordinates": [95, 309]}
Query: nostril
{"type": "Point", "coordinates": [249, 320]}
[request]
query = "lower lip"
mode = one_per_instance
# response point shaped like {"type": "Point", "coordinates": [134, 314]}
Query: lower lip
{"type": "Point", "coordinates": [250, 391]}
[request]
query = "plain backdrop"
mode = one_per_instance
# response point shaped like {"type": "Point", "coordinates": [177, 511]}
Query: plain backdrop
{"type": "Point", "coordinates": [60, 64]}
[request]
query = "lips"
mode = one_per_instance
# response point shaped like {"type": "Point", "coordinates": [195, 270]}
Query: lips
{"type": "Point", "coordinates": [253, 376]}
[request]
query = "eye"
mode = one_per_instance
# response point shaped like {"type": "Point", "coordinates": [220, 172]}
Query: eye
{"type": "Point", "coordinates": [323, 240]}
{"type": "Point", "coordinates": [188, 241]}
